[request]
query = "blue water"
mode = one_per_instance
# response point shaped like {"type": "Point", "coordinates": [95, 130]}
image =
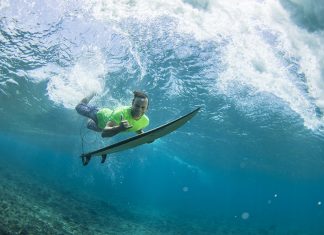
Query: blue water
{"type": "Point", "coordinates": [251, 161]}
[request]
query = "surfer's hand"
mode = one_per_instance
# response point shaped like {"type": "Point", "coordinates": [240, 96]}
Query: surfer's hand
{"type": "Point", "coordinates": [124, 125]}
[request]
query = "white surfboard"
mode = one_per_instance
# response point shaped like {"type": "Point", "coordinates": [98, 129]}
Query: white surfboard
{"type": "Point", "coordinates": [146, 137]}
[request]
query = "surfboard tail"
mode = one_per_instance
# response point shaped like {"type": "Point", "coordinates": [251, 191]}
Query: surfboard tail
{"type": "Point", "coordinates": [85, 159]}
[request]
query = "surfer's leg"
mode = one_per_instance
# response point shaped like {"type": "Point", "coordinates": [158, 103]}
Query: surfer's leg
{"type": "Point", "coordinates": [93, 126]}
{"type": "Point", "coordinates": [89, 112]}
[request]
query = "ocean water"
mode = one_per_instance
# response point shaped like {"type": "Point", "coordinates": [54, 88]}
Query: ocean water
{"type": "Point", "coordinates": [251, 161]}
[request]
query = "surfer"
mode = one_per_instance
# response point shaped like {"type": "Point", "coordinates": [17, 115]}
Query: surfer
{"type": "Point", "coordinates": [111, 122]}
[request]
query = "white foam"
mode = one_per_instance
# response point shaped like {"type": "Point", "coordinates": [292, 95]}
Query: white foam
{"type": "Point", "coordinates": [4, 4]}
{"type": "Point", "coordinates": [43, 73]}
{"type": "Point", "coordinates": [248, 57]}
{"type": "Point", "coordinates": [86, 76]}
{"type": "Point", "coordinates": [252, 62]}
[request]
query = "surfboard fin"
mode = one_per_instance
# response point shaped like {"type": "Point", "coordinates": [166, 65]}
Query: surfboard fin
{"type": "Point", "coordinates": [103, 158]}
{"type": "Point", "coordinates": [85, 159]}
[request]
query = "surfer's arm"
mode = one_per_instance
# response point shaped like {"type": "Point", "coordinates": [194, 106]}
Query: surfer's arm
{"type": "Point", "coordinates": [112, 128]}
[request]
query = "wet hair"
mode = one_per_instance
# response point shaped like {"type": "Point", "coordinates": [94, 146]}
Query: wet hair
{"type": "Point", "coordinates": [139, 94]}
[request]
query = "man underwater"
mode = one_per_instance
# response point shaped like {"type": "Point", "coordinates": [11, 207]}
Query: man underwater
{"type": "Point", "coordinates": [111, 122]}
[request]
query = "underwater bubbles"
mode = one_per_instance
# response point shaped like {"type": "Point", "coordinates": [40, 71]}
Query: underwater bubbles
{"type": "Point", "coordinates": [245, 215]}
{"type": "Point", "coordinates": [185, 189]}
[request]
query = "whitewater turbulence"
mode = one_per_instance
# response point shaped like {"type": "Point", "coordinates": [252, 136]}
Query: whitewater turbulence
{"type": "Point", "coordinates": [261, 51]}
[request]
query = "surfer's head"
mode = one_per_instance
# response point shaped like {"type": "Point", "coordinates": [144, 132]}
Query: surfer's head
{"type": "Point", "coordinates": [139, 104]}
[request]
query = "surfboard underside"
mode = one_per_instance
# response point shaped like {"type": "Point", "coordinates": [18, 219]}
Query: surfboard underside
{"type": "Point", "coordinates": [135, 141]}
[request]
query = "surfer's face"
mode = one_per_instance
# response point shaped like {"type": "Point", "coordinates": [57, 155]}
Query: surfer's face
{"type": "Point", "coordinates": [139, 107]}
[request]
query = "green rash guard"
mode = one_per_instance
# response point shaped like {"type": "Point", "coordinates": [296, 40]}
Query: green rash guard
{"type": "Point", "coordinates": [105, 115]}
